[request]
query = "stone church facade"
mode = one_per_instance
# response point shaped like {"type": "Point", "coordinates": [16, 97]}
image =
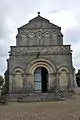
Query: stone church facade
{"type": "Point", "coordinates": [39, 62]}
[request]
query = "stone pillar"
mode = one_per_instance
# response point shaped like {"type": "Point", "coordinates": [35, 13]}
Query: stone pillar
{"type": "Point", "coordinates": [71, 81]}
{"type": "Point", "coordinates": [75, 83]}
{"type": "Point", "coordinates": [10, 84]}
{"type": "Point", "coordinates": [30, 83]}
{"type": "Point", "coordinates": [51, 82]}
{"type": "Point", "coordinates": [24, 83]}
{"type": "Point", "coordinates": [57, 81]}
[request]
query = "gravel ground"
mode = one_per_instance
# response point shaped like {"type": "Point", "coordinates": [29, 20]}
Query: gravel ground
{"type": "Point", "coordinates": [54, 110]}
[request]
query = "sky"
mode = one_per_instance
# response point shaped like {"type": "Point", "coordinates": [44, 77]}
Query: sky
{"type": "Point", "coordinates": [15, 13]}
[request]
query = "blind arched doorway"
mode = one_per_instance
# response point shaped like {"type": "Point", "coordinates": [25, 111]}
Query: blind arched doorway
{"type": "Point", "coordinates": [41, 79]}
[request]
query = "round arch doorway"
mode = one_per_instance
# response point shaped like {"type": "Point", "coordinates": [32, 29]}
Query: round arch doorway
{"type": "Point", "coordinates": [41, 79]}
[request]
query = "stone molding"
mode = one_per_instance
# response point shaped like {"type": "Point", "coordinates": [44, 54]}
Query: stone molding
{"type": "Point", "coordinates": [41, 62]}
{"type": "Point", "coordinates": [21, 51]}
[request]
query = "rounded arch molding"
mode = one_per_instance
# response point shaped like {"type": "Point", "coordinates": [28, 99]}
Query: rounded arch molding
{"type": "Point", "coordinates": [41, 62]}
{"type": "Point", "coordinates": [61, 68]}
{"type": "Point", "coordinates": [14, 70]}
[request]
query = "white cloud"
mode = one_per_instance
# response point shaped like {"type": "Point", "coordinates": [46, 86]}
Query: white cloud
{"type": "Point", "coordinates": [15, 13]}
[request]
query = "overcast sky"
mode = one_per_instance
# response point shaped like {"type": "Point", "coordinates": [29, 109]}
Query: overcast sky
{"type": "Point", "coordinates": [15, 13]}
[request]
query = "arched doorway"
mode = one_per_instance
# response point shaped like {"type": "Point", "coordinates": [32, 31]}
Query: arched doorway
{"type": "Point", "coordinates": [41, 79]}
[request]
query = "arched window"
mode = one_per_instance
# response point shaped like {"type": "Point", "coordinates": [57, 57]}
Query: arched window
{"type": "Point", "coordinates": [46, 40]}
{"type": "Point", "coordinates": [39, 38]}
{"type": "Point", "coordinates": [17, 80]}
{"type": "Point", "coordinates": [24, 39]}
{"type": "Point", "coordinates": [31, 36]}
{"type": "Point", "coordinates": [63, 78]}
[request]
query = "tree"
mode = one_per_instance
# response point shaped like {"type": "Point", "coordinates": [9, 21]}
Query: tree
{"type": "Point", "coordinates": [1, 81]}
{"type": "Point", "coordinates": [3, 99]}
{"type": "Point", "coordinates": [78, 78]}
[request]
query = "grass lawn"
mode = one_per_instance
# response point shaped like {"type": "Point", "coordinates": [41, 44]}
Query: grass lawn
{"type": "Point", "coordinates": [54, 110]}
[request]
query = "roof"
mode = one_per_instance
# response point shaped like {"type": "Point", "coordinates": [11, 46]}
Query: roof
{"type": "Point", "coordinates": [37, 23]}
{"type": "Point", "coordinates": [38, 19]}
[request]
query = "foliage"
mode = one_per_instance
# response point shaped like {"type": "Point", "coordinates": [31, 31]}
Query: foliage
{"type": "Point", "coordinates": [78, 78]}
{"type": "Point", "coordinates": [3, 99]}
{"type": "Point", "coordinates": [4, 90]}
{"type": "Point", "coordinates": [7, 81]}
{"type": "Point", "coordinates": [1, 80]}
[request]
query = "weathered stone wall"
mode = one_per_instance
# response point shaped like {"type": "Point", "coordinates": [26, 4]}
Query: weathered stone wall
{"type": "Point", "coordinates": [39, 37]}
{"type": "Point", "coordinates": [40, 44]}
{"type": "Point", "coordinates": [60, 56]}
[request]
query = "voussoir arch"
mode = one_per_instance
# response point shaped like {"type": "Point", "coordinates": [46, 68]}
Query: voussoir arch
{"type": "Point", "coordinates": [40, 62]}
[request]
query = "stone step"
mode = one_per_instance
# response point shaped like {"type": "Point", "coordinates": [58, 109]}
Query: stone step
{"type": "Point", "coordinates": [34, 97]}
{"type": "Point", "coordinates": [77, 90]}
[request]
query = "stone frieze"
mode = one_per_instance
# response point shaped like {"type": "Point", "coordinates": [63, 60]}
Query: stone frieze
{"type": "Point", "coordinates": [18, 51]}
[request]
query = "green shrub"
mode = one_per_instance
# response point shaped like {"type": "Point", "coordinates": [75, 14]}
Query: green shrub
{"type": "Point", "coordinates": [3, 99]}
{"type": "Point", "coordinates": [4, 90]}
